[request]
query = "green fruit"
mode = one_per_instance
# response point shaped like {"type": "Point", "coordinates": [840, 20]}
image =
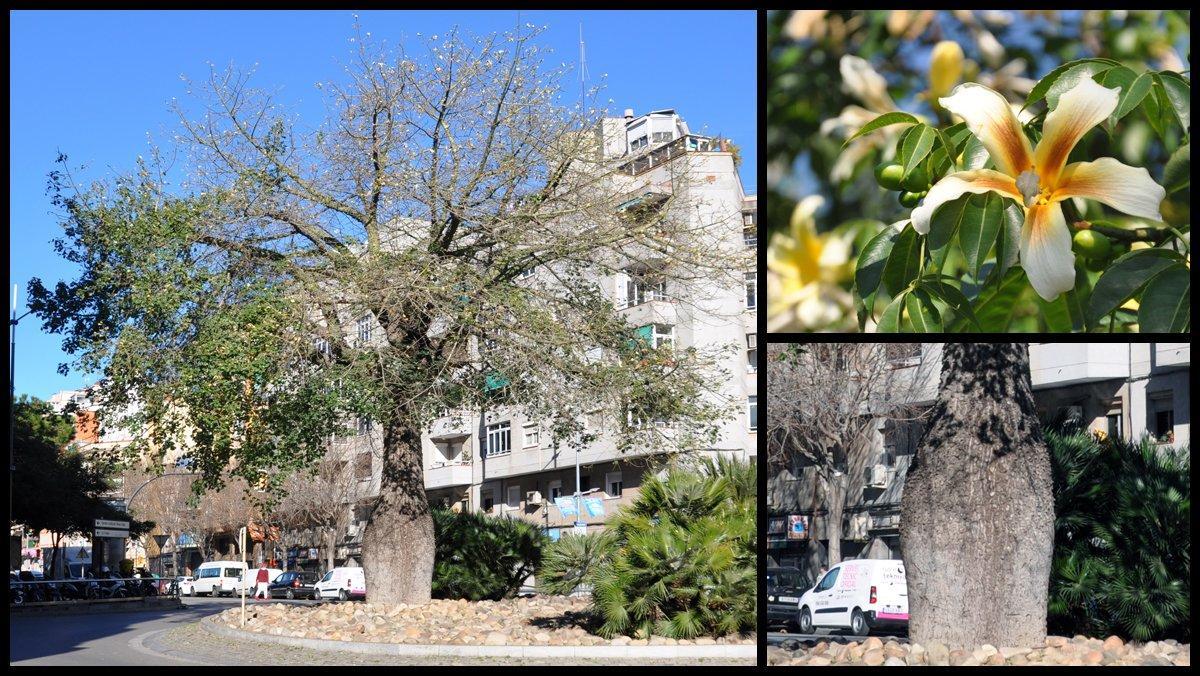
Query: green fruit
{"type": "Point", "coordinates": [916, 181]}
{"type": "Point", "coordinates": [1095, 264]}
{"type": "Point", "coordinates": [910, 199]}
{"type": "Point", "coordinates": [1091, 244]}
{"type": "Point", "coordinates": [889, 175]}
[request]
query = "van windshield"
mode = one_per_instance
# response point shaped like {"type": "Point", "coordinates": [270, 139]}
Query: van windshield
{"type": "Point", "coordinates": [327, 577]}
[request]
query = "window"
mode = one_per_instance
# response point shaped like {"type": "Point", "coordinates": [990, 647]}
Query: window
{"type": "Point", "coordinates": [499, 439]}
{"type": "Point", "coordinates": [364, 330]}
{"type": "Point", "coordinates": [752, 352]}
{"type": "Point", "coordinates": [532, 434]}
{"type": "Point", "coordinates": [750, 236]}
{"type": "Point", "coordinates": [585, 482]}
{"type": "Point", "coordinates": [489, 499]}
{"type": "Point", "coordinates": [664, 334]}
{"type": "Point", "coordinates": [753, 412]}
{"type": "Point", "coordinates": [514, 497]}
{"type": "Point", "coordinates": [322, 346]}
{"type": "Point", "coordinates": [1162, 418]}
{"type": "Point", "coordinates": [638, 143]}
{"type": "Point", "coordinates": [1115, 422]}
{"type": "Point", "coordinates": [612, 484]}
{"type": "Point", "coordinates": [555, 489]}
{"type": "Point", "coordinates": [525, 274]}
{"type": "Point", "coordinates": [362, 466]}
{"type": "Point", "coordinates": [829, 580]}
{"type": "Point", "coordinates": [662, 136]}
{"type": "Point", "coordinates": [365, 426]}
{"type": "Point", "coordinates": [641, 289]}
{"type": "Point", "coordinates": [751, 290]}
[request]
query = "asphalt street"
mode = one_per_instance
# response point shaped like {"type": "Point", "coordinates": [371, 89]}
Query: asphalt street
{"type": "Point", "coordinates": [106, 638]}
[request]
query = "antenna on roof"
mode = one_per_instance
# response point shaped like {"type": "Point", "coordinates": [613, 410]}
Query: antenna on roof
{"type": "Point", "coordinates": [582, 66]}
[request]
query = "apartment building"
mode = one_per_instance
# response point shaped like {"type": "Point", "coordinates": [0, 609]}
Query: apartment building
{"type": "Point", "coordinates": [501, 462]}
{"type": "Point", "coordinates": [1117, 389]}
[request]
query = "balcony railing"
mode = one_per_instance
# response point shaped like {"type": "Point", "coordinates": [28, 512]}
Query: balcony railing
{"type": "Point", "coordinates": [677, 148]}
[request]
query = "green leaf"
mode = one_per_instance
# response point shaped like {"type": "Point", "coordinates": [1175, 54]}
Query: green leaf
{"type": "Point", "coordinates": [1126, 276]}
{"type": "Point", "coordinates": [889, 321]}
{"type": "Point", "coordinates": [1157, 110]}
{"type": "Point", "coordinates": [922, 314]}
{"type": "Point", "coordinates": [951, 140]}
{"type": "Point", "coordinates": [1177, 175]}
{"type": "Point", "coordinates": [1077, 298]}
{"type": "Point", "coordinates": [904, 262]}
{"type": "Point", "coordinates": [975, 155]}
{"type": "Point", "coordinates": [1068, 80]}
{"type": "Point", "coordinates": [1121, 78]}
{"type": "Point", "coordinates": [951, 297]}
{"type": "Point", "coordinates": [1166, 304]}
{"type": "Point", "coordinates": [1178, 92]}
{"type": "Point", "coordinates": [917, 145]}
{"type": "Point", "coordinates": [982, 216]}
{"type": "Point", "coordinates": [995, 305]}
{"type": "Point", "coordinates": [1131, 97]}
{"type": "Point", "coordinates": [882, 121]}
{"type": "Point", "coordinates": [869, 269]}
{"type": "Point", "coordinates": [1043, 86]}
{"type": "Point", "coordinates": [1055, 314]}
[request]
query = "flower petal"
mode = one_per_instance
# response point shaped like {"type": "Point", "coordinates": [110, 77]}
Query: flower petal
{"type": "Point", "coordinates": [952, 186]}
{"type": "Point", "coordinates": [1083, 107]}
{"type": "Point", "coordinates": [862, 81]}
{"type": "Point", "coordinates": [991, 120]}
{"type": "Point", "coordinates": [1120, 186]}
{"type": "Point", "coordinates": [1046, 251]}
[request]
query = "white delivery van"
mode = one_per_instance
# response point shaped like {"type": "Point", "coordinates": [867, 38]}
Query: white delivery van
{"type": "Point", "coordinates": [218, 578]}
{"type": "Point", "coordinates": [342, 583]}
{"type": "Point", "coordinates": [858, 595]}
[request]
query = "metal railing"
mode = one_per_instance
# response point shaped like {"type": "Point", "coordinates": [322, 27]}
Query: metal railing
{"type": "Point", "coordinates": [22, 592]}
{"type": "Point", "coordinates": [668, 152]}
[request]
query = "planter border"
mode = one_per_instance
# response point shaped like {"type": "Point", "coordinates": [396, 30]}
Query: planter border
{"type": "Point", "coordinates": [95, 606]}
{"type": "Point", "coordinates": [738, 651]}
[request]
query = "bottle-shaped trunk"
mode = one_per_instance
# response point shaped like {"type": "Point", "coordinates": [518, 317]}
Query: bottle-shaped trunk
{"type": "Point", "coordinates": [398, 542]}
{"type": "Point", "coordinates": [977, 515]}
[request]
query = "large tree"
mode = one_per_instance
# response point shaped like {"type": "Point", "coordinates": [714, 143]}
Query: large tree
{"type": "Point", "coordinates": [827, 401]}
{"type": "Point", "coordinates": [977, 515]}
{"type": "Point", "coordinates": [437, 242]}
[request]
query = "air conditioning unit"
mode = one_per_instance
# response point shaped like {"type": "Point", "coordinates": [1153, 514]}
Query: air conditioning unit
{"type": "Point", "coordinates": [533, 497]}
{"type": "Point", "coordinates": [857, 531]}
{"type": "Point", "coordinates": [878, 477]}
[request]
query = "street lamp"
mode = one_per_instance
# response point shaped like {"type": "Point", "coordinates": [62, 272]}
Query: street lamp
{"type": "Point", "coordinates": [12, 392]}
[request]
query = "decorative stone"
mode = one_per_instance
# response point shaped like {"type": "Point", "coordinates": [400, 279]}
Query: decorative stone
{"type": "Point", "coordinates": [496, 638]}
{"type": "Point", "coordinates": [1093, 657]}
{"type": "Point", "coordinates": [1056, 641]}
{"type": "Point", "coordinates": [872, 643]}
{"type": "Point", "coordinates": [819, 661]}
{"type": "Point", "coordinates": [958, 657]}
{"type": "Point", "coordinates": [873, 657]}
{"type": "Point", "coordinates": [938, 654]}
{"type": "Point", "coordinates": [894, 662]}
{"type": "Point", "coordinates": [1009, 651]}
{"type": "Point", "coordinates": [995, 660]}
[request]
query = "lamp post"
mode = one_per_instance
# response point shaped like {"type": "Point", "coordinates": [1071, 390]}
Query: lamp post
{"type": "Point", "coordinates": [12, 393]}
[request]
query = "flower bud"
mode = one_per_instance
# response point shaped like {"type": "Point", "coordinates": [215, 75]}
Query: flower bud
{"type": "Point", "coordinates": [945, 68]}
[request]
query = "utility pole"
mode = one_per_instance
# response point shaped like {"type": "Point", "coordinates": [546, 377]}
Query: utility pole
{"type": "Point", "coordinates": [580, 524]}
{"type": "Point", "coordinates": [12, 396]}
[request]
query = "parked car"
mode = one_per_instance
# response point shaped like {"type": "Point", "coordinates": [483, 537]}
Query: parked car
{"type": "Point", "coordinates": [342, 583]}
{"type": "Point", "coordinates": [294, 584]}
{"type": "Point", "coordinates": [272, 573]}
{"type": "Point", "coordinates": [859, 595]}
{"type": "Point", "coordinates": [784, 587]}
{"type": "Point", "coordinates": [216, 578]}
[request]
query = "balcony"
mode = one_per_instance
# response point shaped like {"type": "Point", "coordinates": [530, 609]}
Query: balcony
{"type": "Point", "coordinates": [651, 312]}
{"type": "Point", "coordinates": [1061, 364]}
{"type": "Point", "coordinates": [445, 474]}
{"type": "Point", "coordinates": [677, 148]}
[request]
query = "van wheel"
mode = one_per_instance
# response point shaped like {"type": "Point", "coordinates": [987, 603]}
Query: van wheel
{"type": "Point", "coordinates": [805, 622]}
{"type": "Point", "coordinates": [858, 623]}
{"type": "Point", "coordinates": [343, 595]}
{"type": "Point", "coordinates": [291, 594]}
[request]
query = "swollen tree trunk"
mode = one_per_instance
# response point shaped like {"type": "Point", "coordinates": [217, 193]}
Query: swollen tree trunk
{"type": "Point", "coordinates": [398, 544]}
{"type": "Point", "coordinates": [331, 538]}
{"type": "Point", "coordinates": [977, 515]}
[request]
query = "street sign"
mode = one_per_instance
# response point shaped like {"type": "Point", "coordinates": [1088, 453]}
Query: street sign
{"type": "Point", "coordinates": [108, 523]}
{"type": "Point", "coordinates": [109, 533]}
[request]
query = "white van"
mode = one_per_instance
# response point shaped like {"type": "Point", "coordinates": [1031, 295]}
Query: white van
{"type": "Point", "coordinates": [252, 573]}
{"type": "Point", "coordinates": [342, 583]}
{"type": "Point", "coordinates": [859, 595]}
{"type": "Point", "coordinates": [218, 578]}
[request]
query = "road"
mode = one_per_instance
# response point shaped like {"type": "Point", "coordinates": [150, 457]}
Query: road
{"type": "Point", "coordinates": [175, 638]}
{"type": "Point", "coordinates": [108, 638]}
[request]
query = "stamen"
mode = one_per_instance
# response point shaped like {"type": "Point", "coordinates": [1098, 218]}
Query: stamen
{"type": "Point", "coordinates": [1027, 183]}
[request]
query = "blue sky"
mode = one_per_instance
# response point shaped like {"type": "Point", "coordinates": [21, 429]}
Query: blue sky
{"type": "Point", "coordinates": [94, 84]}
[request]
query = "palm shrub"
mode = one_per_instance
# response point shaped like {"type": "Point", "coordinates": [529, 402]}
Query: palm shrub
{"type": "Point", "coordinates": [480, 557]}
{"type": "Point", "coordinates": [1122, 537]}
{"type": "Point", "coordinates": [680, 561]}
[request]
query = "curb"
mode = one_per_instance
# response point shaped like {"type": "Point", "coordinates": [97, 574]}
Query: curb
{"type": "Point", "coordinates": [95, 606]}
{"type": "Point", "coordinates": [743, 651]}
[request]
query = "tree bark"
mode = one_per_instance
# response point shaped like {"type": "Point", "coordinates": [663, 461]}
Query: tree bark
{"type": "Point", "coordinates": [977, 514]}
{"type": "Point", "coordinates": [835, 498]}
{"type": "Point", "coordinates": [398, 543]}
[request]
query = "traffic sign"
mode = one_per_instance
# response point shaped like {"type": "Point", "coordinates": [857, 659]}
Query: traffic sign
{"type": "Point", "coordinates": [108, 523]}
{"type": "Point", "coordinates": [109, 533]}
